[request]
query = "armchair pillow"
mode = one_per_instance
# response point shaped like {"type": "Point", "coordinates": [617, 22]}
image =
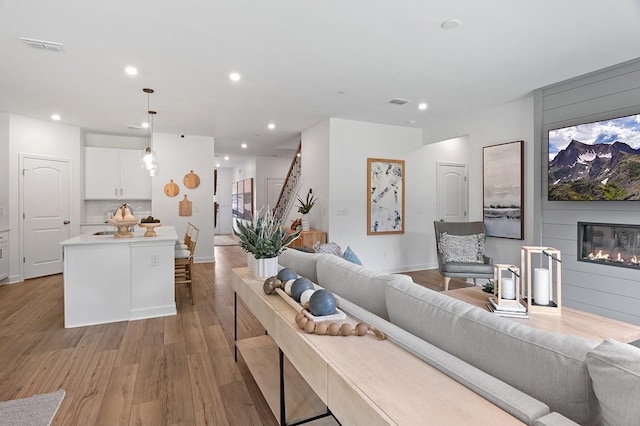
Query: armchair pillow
{"type": "Point", "coordinates": [462, 248]}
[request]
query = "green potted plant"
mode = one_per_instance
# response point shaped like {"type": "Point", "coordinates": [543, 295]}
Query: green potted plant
{"type": "Point", "coordinates": [305, 207]}
{"type": "Point", "coordinates": [264, 239]}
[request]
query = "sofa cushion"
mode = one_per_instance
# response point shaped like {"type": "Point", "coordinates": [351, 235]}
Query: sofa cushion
{"type": "Point", "coordinates": [548, 366]}
{"type": "Point", "coordinates": [360, 285]}
{"type": "Point", "coordinates": [467, 268]}
{"type": "Point", "coordinates": [462, 248]}
{"type": "Point", "coordinates": [614, 368]}
{"type": "Point", "coordinates": [303, 263]}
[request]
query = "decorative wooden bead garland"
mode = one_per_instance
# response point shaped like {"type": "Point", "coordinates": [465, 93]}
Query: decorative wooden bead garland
{"type": "Point", "coordinates": [322, 328]}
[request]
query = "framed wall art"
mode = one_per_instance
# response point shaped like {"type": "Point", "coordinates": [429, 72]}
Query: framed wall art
{"type": "Point", "coordinates": [503, 190]}
{"type": "Point", "coordinates": [385, 196]}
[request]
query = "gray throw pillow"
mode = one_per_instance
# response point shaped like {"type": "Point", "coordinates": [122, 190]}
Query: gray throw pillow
{"type": "Point", "coordinates": [614, 368]}
{"type": "Point", "coordinates": [462, 248]}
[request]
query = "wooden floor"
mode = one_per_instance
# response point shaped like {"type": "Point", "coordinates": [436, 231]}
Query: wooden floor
{"type": "Point", "coordinates": [177, 370]}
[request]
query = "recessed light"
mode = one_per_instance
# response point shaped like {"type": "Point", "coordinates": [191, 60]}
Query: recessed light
{"type": "Point", "coordinates": [450, 24]}
{"type": "Point", "coordinates": [244, 146]}
{"type": "Point", "coordinates": [55, 117]}
{"type": "Point", "coordinates": [234, 76]}
{"type": "Point", "coordinates": [145, 125]}
{"type": "Point", "coordinates": [271, 126]}
{"type": "Point", "coordinates": [422, 106]}
{"type": "Point", "coordinates": [217, 164]}
{"type": "Point", "coordinates": [226, 158]}
{"type": "Point", "coordinates": [131, 70]}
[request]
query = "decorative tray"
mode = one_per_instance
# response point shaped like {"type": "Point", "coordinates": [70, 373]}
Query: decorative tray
{"type": "Point", "coordinates": [338, 316]}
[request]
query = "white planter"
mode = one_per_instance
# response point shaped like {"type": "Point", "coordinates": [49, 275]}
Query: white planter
{"type": "Point", "coordinates": [265, 268]}
{"type": "Point", "coordinates": [306, 225]}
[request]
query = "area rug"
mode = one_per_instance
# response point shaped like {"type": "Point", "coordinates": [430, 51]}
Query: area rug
{"type": "Point", "coordinates": [226, 240]}
{"type": "Point", "coordinates": [33, 411]}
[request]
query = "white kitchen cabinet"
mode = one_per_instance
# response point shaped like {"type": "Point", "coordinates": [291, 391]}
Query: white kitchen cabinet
{"type": "Point", "coordinates": [4, 255]}
{"type": "Point", "coordinates": [114, 174]}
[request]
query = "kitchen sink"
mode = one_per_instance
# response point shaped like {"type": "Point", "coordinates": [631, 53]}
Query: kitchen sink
{"type": "Point", "coordinates": [104, 233]}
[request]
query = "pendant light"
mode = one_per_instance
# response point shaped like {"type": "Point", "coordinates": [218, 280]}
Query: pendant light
{"type": "Point", "coordinates": [149, 159]}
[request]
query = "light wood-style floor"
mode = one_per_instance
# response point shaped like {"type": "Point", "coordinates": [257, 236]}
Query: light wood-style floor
{"type": "Point", "coordinates": [177, 370]}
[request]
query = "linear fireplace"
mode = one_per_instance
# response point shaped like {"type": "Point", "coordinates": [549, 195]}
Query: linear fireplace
{"type": "Point", "coordinates": [609, 244]}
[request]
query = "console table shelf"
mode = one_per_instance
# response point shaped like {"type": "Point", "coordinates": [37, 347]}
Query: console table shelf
{"type": "Point", "coordinates": [261, 356]}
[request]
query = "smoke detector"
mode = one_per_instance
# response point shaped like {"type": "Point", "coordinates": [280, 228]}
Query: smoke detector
{"type": "Point", "coordinates": [50, 46]}
{"type": "Point", "coordinates": [398, 101]}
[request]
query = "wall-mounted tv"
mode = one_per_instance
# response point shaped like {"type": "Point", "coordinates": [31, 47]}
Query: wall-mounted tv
{"type": "Point", "coordinates": [595, 161]}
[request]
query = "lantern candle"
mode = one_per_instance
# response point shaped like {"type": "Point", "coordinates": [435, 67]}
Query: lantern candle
{"type": "Point", "coordinates": [508, 288]}
{"type": "Point", "coordinates": [541, 286]}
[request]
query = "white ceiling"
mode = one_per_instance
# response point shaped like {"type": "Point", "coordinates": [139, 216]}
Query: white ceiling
{"type": "Point", "coordinates": [301, 61]}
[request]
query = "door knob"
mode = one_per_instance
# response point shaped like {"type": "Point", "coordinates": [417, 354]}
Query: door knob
{"type": "Point", "coordinates": [66, 222]}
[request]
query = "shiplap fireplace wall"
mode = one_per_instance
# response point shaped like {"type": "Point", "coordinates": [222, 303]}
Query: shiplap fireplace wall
{"type": "Point", "coordinates": [592, 287]}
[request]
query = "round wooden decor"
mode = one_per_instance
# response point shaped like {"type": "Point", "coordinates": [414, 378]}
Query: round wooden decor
{"type": "Point", "coordinates": [171, 189]}
{"type": "Point", "coordinates": [191, 180]}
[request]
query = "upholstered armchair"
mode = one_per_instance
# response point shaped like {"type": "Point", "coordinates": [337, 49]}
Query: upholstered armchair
{"type": "Point", "coordinates": [460, 248]}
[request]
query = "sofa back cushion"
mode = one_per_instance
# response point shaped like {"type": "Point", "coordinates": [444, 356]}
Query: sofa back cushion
{"type": "Point", "coordinates": [303, 263]}
{"type": "Point", "coordinates": [614, 368]}
{"type": "Point", "coordinates": [359, 285]}
{"type": "Point", "coordinates": [548, 366]}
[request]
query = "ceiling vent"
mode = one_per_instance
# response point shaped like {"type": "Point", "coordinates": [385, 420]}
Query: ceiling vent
{"type": "Point", "coordinates": [50, 46]}
{"type": "Point", "coordinates": [398, 101]}
{"type": "Point", "coordinates": [133, 127]}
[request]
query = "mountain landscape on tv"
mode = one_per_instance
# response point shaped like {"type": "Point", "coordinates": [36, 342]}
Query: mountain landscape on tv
{"type": "Point", "coordinates": [599, 171]}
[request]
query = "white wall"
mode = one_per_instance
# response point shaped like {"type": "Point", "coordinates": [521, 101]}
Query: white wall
{"type": "Point", "coordinates": [4, 171]}
{"type": "Point", "coordinates": [315, 175]}
{"type": "Point", "coordinates": [268, 168]}
{"type": "Point", "coordinates": [420, 246]}
{"type": "Point", "coordinates": [45, 139]}
{"type": "Point", "coordinates": [176, 157]}
{"type": "Point", "coordinates": [506, 123]}
{"type": "Point", "coordinates": [351, 143]}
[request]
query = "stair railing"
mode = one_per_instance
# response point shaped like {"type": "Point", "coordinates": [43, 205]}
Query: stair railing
{"type": "Point", "coordinates": [290, 187]}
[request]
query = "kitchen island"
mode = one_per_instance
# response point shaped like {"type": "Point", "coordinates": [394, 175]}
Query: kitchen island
{"type": "Point", "coordinates": [109, 279]}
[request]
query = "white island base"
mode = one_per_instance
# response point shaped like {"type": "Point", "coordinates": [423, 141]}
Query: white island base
{"type": "Point", "coordinates": [109, 279]}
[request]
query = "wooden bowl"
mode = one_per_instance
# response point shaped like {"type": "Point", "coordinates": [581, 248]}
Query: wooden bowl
{"type": "Point", "coordinates": [150, 232]}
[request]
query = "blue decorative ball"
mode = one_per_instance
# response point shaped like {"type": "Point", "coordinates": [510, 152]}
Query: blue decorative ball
{"type": "Point", "coordinates": [299, 286]}
{"type": "Point", "coordinates": [287, 274]}
{"type": "Point", "coordinates": [322, 302]}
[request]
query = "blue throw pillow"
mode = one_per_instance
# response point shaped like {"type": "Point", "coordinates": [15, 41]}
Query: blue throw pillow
{"type": "Point", "coordinates": [351, 256]}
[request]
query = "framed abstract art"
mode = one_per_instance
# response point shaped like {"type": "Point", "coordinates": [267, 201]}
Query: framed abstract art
{"type": "Point", "coordinates": [385, 196]}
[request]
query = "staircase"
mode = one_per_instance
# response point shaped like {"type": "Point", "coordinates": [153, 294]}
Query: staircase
{"type": "Point", "coordinates": [290, 187]}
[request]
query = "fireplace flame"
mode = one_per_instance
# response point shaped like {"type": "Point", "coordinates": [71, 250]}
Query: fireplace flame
{"type": "Point", "coordinates": [600, 255]}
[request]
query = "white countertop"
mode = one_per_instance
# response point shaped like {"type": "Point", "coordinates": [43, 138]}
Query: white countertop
{"type": "Point", "coordinates": [165, 233]}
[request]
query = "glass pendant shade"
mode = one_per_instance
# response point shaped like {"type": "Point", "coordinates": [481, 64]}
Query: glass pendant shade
{"type": "Point", "coordinates": [149, 161]}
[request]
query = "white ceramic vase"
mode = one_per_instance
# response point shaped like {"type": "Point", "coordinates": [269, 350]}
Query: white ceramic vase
{"type": "Point", "coordinates": [305, 222]}
{"type": "Point", "coordinates": [265, 268]}
{"type": "Point", "coordinates": [250, 262]}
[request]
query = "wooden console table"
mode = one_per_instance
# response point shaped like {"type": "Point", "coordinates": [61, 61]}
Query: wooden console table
{"type": "Point", "coordinates": [571, 321]}
{"type": "Point", "coordinates": [309, 238]}
{"type": "Point", "coordinates": [360, 379]}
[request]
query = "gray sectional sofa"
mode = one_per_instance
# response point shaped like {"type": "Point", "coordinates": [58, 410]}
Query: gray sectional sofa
{"type": "Point", "coordinates": [540, 377]}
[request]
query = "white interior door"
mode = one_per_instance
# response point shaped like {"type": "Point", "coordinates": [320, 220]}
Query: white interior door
{"type": "Point", "coordinates": [452, 198]}
{"type": "Point", "coordinates": [274, 186]}
{"type": "Point", "coordinates": [46, 214]}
